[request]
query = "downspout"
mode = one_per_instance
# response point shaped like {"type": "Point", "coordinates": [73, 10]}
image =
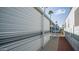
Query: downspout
{"type": "Point", "coordinates": [50, 24]}
{"type": "Point", "coordinates": [42, 23]}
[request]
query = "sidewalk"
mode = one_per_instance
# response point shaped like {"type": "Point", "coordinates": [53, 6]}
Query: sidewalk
{"type": "Point", "coordinates": [64, 45]}
{"type": "Point", "coordinates": [57, 43]}
{"type": "Point", "coordinates": [52, 45]}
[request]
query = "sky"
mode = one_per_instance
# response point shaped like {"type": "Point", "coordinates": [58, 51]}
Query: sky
{"type": "Point", "coordinates": [59, 15]}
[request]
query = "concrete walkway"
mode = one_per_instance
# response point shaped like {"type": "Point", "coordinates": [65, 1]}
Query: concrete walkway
{"type": "Point", "coordinates": [57, 43]}
{"type": "Point", "coordinates": [52, 45]}
{"type": "Point", "coordinates": [64, 45]}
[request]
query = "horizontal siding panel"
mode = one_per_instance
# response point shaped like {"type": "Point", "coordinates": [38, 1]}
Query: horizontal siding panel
{"type": "Point", "coordinates": [19, 20]}
{"type": "Point", "coordinates": [46, 24]}
{"type": "Point", "coordinates": [16, 44]}
{"type": "Point", "coordinates": [20, 28]}
{"type": "Point", "coordinates": [32, 46]}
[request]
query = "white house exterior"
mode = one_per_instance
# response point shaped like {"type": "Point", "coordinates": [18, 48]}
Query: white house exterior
{"type": "Point", "coordinates": [72, 28]}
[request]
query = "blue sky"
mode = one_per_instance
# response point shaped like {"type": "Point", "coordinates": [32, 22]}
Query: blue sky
{"type": "Point", "coordinates": [60, 14]}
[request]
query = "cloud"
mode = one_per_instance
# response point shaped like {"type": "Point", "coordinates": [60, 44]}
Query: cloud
{"type": "Point", "coordinates": [60, 11]}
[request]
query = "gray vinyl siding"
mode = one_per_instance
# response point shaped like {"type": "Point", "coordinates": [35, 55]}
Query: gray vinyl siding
{"type": "Point", "coordinates": [16, 23]}
{"type": "Point", "coordinates": [19, 20]}
{"type": "Point", "coordinates": [46, 24]}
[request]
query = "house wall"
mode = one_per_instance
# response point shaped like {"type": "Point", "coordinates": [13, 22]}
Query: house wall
{"type": "Point", "coordinates": [71, 30]}
{"type": "Point", "coordinates": [20, 28]}
{"type": "Point", "coordinates": [46, 28]}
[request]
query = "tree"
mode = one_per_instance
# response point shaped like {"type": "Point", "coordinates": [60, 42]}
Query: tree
{"type": "Point", "coordinates": [50, 13]}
